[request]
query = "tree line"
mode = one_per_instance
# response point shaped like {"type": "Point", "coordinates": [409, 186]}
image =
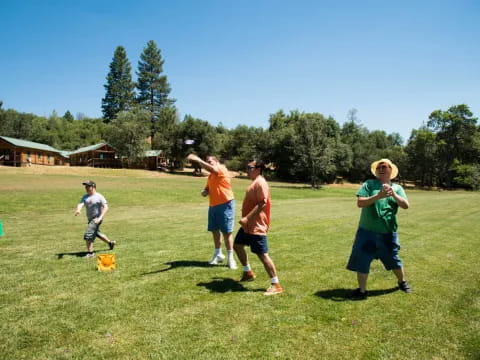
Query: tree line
{"type": "Point", "coordinates": [299, 146]}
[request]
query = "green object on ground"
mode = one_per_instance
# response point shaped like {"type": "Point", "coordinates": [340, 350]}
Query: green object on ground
{"type": "Point", "coordinates": [1, 228]}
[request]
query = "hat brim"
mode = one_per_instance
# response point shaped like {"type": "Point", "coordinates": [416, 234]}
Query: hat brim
{"type": "Point", "coordinates": [393, 174]}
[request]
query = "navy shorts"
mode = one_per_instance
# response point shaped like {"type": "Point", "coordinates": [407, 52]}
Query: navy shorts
{"type": "Point", "coordinates": [258, 243]}
{"type": "Point", "coordinates": [220, 217]}
{"type": "Point", "coordinates": [93, 231]}
{"type": "Point", "coordinates": [370, 245]}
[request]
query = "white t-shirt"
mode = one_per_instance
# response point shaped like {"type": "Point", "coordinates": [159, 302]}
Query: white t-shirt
{"type": "Point", "coordinates": [93, 204]}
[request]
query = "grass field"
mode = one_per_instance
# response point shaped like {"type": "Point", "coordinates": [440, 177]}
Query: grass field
{"type": "Point", "coordinates": [165, 302]}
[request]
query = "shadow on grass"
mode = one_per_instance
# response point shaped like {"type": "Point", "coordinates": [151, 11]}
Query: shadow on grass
{"type": "Point", "coordinates": [180, 263]}
{"type": "Point", "coordinates": [345, 294]}
{"type": "Point", "coordinates": [224, 285]}
{"type": "Point", "coordinates": [77, 254]}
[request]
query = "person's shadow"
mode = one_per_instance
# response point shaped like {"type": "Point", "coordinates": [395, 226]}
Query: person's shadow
{"type": "Point", "coordinates": [345, 294]}
{"type": "Point", "coordinates": [180, 263]}
{"type": "Point", "coordinates": [77, 254]}
{"type": "Point", "coordinates": [224, 285]}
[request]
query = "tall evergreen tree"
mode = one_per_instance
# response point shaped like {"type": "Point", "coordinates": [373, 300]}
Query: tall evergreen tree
{"type": "Point", "coordinates": [120, 89]}
{"type": "Point", "coordinates": [68, 116]}
{"type": "Point", "coordinates": [153, 88]}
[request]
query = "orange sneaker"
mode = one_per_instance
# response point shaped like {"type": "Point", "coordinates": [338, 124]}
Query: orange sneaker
{"type": "Point", "coordinates": [274, 289]}
{"type": "Point", "coordinates": [248, 276]}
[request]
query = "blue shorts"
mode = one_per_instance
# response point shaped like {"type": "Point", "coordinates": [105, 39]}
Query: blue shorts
{"type": "Point", "coordinates": [220, 217]}
{"type": "Point", "coordinates": [370, 245]}
{"type": "Point", "coordinates": [93, 231]}
{"type": "Point", "coordinates": [258, 243]}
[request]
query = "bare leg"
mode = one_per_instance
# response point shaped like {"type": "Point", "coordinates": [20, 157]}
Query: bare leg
{"type": "Point", "coordinates": [90, 246]}
{"type": "Point", "coordinates": [228, 239]}
{"type": "Point", "coordinates": [241, 253]}
{"type": "Point", "coordinates": [399, 273]}
{"type": "Point", "coordinates": [362, 281]}
{"type": "Point", "coordinates": [268, 264]}
{"type": "Point", "coordinates": [216, 239]}
{"type": "Point", "coordinates": [103, 237]}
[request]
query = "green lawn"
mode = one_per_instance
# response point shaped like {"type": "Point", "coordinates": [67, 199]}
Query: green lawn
{"type": "Point", "coordinates": [164, 302]}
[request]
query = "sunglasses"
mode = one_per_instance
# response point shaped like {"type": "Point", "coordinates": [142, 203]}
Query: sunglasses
{"type": "Point", "coordinates": [250, 167]}
{"type": "Point", "coordinates": [382, 167]}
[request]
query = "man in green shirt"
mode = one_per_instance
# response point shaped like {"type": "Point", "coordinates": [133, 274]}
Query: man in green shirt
{"type": "Point", "coordinates": [377, 236]}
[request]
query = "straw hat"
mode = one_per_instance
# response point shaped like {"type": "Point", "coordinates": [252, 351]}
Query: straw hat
{"type": "Point", "coordinates": [394, 173]}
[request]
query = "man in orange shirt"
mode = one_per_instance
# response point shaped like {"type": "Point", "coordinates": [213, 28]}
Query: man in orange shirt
{"type": "Point", "coordinates": [255, 223]}
{"type": "Point", "coordinates": [221, 212]}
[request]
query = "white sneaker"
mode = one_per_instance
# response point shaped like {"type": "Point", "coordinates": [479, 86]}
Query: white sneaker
{"type": "Point", "coordinates": [89, 255]}
{"type": "Point", "coordinates": [231, 264]}
{"type": "Point", "coordinates": [217, 259]}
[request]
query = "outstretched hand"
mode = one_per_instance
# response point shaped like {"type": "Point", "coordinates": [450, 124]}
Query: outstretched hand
{"type": "Point", "coordinates": [193, 157]}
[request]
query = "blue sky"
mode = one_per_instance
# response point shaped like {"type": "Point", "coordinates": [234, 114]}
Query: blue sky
{"type": "Point", "coordinates": [237, 62]}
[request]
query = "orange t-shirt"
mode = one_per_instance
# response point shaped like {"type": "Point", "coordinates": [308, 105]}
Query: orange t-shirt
{"type": "Point", "coordinates": [219, 188]}
{"type": "Point", "coordinates": [257, 191]}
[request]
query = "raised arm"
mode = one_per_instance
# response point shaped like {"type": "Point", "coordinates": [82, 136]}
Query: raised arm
{"type": "Point", "coordinates": [203, 164]}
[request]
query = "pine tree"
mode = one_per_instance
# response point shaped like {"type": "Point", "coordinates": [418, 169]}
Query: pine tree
{"type": "Point", "coordinates": [120, 89]}
{"type": "Point", "coordinates": [153, 88]}
{"type": "Point", "coordinates": [68, 116]}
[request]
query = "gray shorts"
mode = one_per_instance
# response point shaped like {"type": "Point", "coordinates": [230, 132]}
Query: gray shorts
{"type": "Point", "coordinates": [93, 231]}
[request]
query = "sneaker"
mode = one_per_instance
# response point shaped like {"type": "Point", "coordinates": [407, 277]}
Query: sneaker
{"type": "Point", "coordinates": [248, 276]}
{"type": "Point", "coordinates": [357, 294]}
{"type": "Point", "coordinates": [405, 287]}
{"type": "Point", "coordinates": [89, 255]}
{"type": "Point", "coordinates": [111, 245]}
{"type": "Point", "coordinates": [231, 264]}
{"type": "Point", "coordinates": [217, 259]}
{"type": "Point", "coordinates": [274, 289]}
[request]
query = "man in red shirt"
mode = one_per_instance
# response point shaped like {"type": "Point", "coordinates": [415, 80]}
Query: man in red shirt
{"type": "Point", "coordinates": [221, 212]}
{"type": "Point", "coordinates": [255, 223]}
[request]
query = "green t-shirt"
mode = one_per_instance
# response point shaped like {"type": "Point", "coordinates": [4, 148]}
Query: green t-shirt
{"type": "Point", "coordinates": [381, 216]}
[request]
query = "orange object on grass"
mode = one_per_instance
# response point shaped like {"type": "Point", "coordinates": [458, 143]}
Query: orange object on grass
{"type": "Point", "coordinates": [106, 262]}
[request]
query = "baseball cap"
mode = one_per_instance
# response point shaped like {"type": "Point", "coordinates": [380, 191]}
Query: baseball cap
{"type": "Point", "coordinates": [89, 183]}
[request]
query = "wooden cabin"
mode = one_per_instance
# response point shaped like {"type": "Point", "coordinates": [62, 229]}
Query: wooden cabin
{"type": "Point", "coordinates": [17, 152]}
{"type": "Point", "coordinates": [150, 160]}
{"type": "Point", "coordinates": [155, 159]}
{"type": "Point", "coordinates": [98, 155]}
